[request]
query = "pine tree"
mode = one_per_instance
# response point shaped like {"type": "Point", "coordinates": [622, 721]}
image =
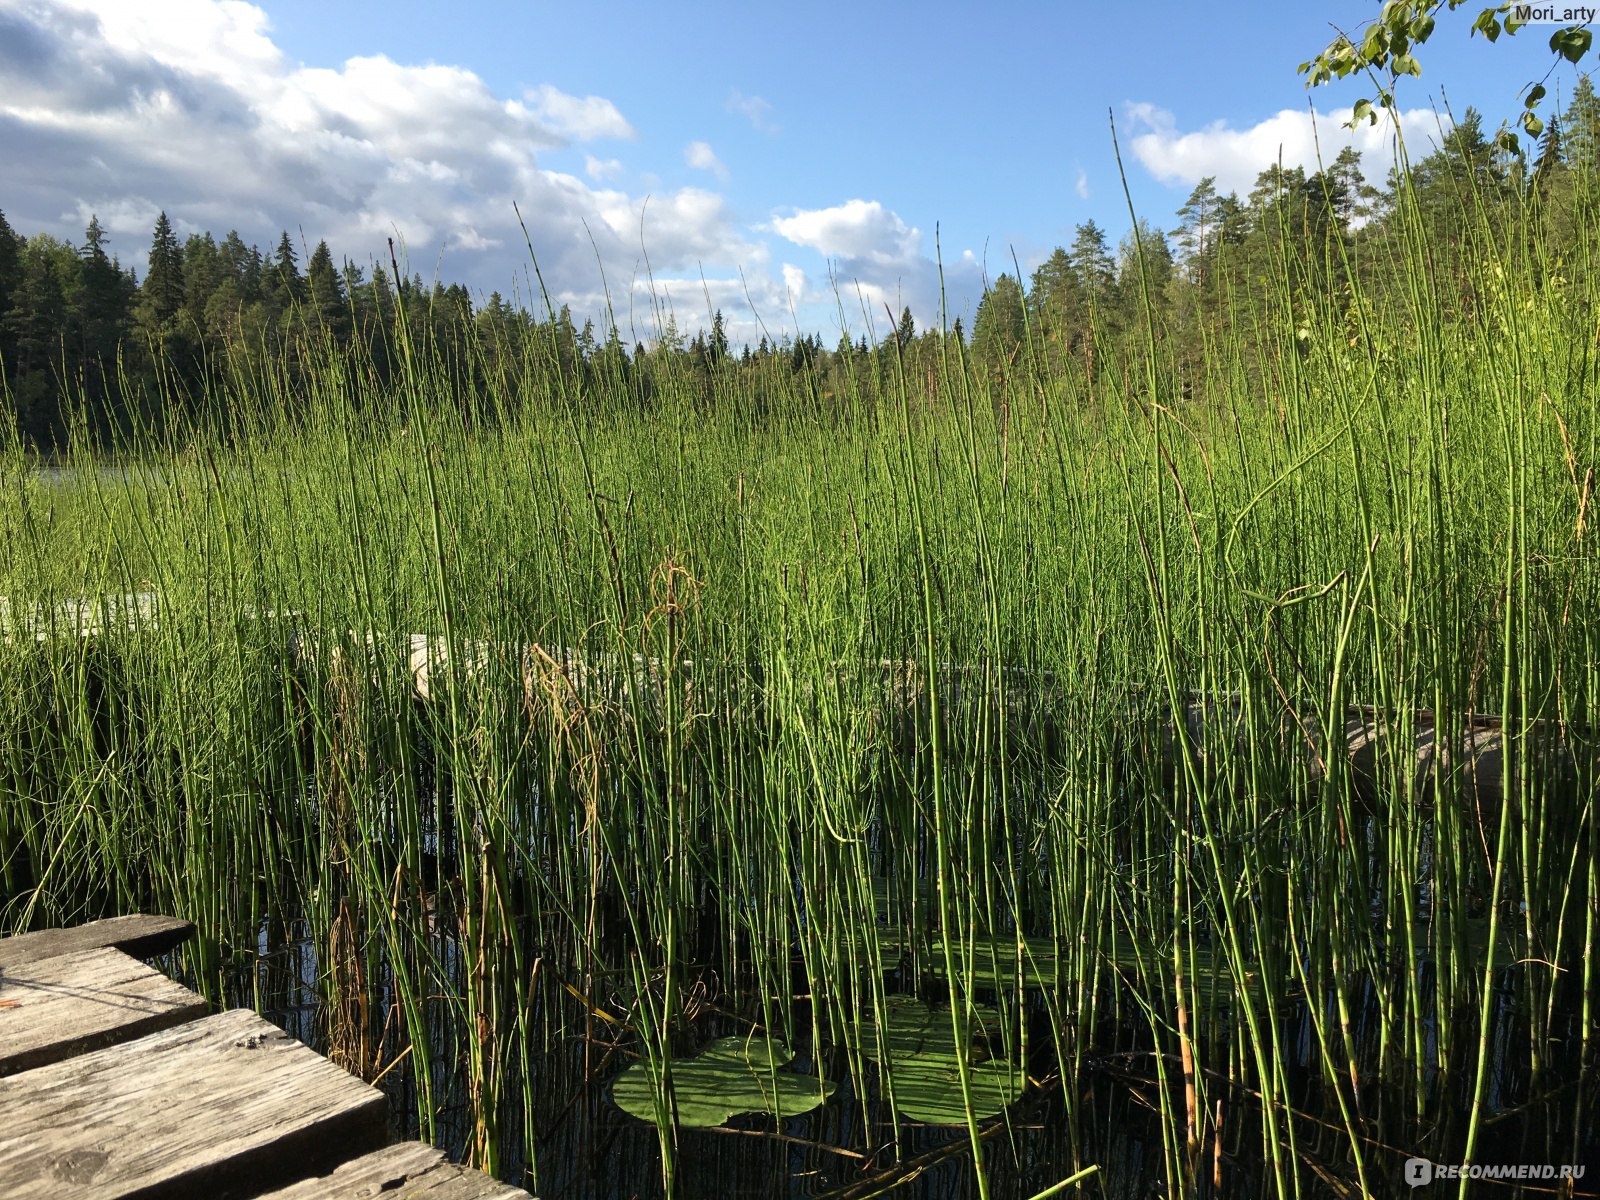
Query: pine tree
{"type": "Point", "coordinates": [1054, 298]}
{"type": "Point", "coordinates": [285, 284]}
{"type": "Point", "coordinates": [33, 326]}
{"type": "Point", "coordinates": [906, 331]}
{"type": "Point", "coordinates": [162, 294]}
{"type": "Point", "coordinates": [10, 285]}
{"type": "Point", "coordinates": [100, 301]}
{"type": "Point", "coordinates": [1092, 263]}
{"type": "Point", "coordinates": [998, 328]}
{"type": "Point", "coordinates": [1198, 229]}
{"type": "Point", "coordinates": [1351, 196]}
{"type": "Point", "coordinates": [1580, 126]}
{"type": "Point", "coordinates": [1157, 264]}
{"type": "Point", "coordinates": [242, 264]}
{"type": "Point", "coordinates": [327, 292]}
{"type": "Point", "coordinates": [719, 337]}
{"type": "Point", "coordinates": [1552, 154]}
{"type": "Point", "coordinates": [202, 274]}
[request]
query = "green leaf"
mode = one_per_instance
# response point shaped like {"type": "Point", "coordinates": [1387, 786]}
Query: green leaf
{"type": "Point", "coordinates": [1406, 65]}
{"type": "Point", "coordinates": [1508, 142]}
{"type": "Point", "coordinates": [1375, 44]}
{"type": "Point", "coordinates": [1364, 112]}
{"type": "Point", "coordinates": [730, 1076]}
{"type": "Point", "coordinates": [1572, 44]}
{"type": "Point", "coordinates": [1532, 124]}
{"type": "Point", "coordinates": [917, 1047]}
{"type": "Point", "coordinates": [992, 961]}
{"type": "Point", "coordinates": [1535, 94]}
{"type": "Point", "coordinates": [1487, 25]}
{"type": "Point", "coordinates": [1421, 28]}
{"type": "Point", "coordinates": [928, 1091]}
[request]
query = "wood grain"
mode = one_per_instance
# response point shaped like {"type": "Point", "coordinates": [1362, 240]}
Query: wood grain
{"type": "Point", "coordinates": [222, 1108]}
{"type": "Point", "coordinates": [409, 1171]}
{"type": "Point", "coordinates": [138, 935]}
{"type": "Point", "coordinates": [68, 1004]}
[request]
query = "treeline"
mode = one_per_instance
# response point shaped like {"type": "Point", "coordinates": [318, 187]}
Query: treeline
{"type": "Point", "coordinates": [88, 349]}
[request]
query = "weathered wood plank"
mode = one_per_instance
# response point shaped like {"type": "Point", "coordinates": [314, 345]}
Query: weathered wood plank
{"type": "Point", "coordinates": [139, 935]}
{"type": "Point", "coordinates": [408, 1171]}
{"type": "Point", "coordinates": [228, 1106]}
{"type": "Point", "coordinates": [68, 1004]}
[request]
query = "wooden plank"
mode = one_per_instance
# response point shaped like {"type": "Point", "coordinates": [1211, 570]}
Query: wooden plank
{"type": "Point", "coordinates": [139, 935]}
{"type": "Point", "coordinates": [225, 1107]}
{"type": "Point", "coordinates": [408, 1171]}
{"type": "Point", "coordinates": [54, 1008]}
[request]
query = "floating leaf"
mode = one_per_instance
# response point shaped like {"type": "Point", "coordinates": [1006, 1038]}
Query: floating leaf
{"type": "Point", "coordinates": [924, 1064]}
{"type": "Point", "coordinates": [993, 961]}
{"type": "Point", "coordinates": [929, 1092]}
{"type": "Point", "coordinates": [730, 1076]}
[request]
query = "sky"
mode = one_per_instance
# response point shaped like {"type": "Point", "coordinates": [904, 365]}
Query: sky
{"type": "Point", "coordinates": [803, 169]}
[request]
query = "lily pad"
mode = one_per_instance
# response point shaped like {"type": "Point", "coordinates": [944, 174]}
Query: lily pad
{"type": "Point", "coordinates": [924, 1065]}
{"type": "Point", "coordinates": [992, 960]}
{"type": "Point", "coordinates": [730, 1076]}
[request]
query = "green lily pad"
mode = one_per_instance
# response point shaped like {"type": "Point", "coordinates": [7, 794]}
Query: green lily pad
{"type": "Point", "coordinates": [1206, 969]}
{"type": "Point", "coordinates": [993, 961]}
{"type": "Point", "coordinates": [924, 1065]}
{"type": "Point", "coordinates": [730, 1076]}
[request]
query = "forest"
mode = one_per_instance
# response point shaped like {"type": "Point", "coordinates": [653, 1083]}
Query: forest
{"type": "Point", "coordinates": [91, 350]}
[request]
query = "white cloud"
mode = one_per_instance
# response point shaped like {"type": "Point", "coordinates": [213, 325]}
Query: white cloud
{"type": "Point", "coordinates": [583, 119]}
{"type": "Point", "coordinates": [753, 109]}
{"type": "Point", "coordinates": [856, 229]}
{"type": "Point", "coordinates": [794, 283]}
{"type": "Point", "coordinates": [702, 157]}
{"type": "Point", "coordinates": [878, 266]}
{"type": "Point", "coordinates": [1081, 184]}
{"type": "Point", "coordinates": [124, 110]}
{"type": "Point", "coordinates": [1237, 156]}
{"type": "Point", "coordinates": [752, 307]}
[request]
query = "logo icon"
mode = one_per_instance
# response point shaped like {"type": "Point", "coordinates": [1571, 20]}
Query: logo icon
{"type": "Point", "coordinates": [1418, 1171]}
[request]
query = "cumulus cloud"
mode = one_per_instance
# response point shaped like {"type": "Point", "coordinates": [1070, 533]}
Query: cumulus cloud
{"type": "Point", "coordinates": [753, 306]}
{"type": "Point", "coordinates": [124, 110]}
{"type": "Point", "coordinates": [1236, 156]}
{"type": "Point", "coordinates": [702, 157]}
{"type": "Point", "coordinates": [753, 109]}
{"type": "Point", "coordinates": [856, 229]}
{"type": "Point", "coordinates": [794, 284]}
{"type": "Point", "coordinates": [583, 119]}
{"type": "Point", "coordinates": [877, 265]}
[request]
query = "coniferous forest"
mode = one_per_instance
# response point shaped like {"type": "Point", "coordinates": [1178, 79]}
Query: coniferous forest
{"type": "Point", "coordinates": [1144, 744]}
{"type": "Point", "coordinates": [89, 348]}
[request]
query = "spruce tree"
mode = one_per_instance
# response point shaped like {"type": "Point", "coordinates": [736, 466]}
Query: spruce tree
{"type": "Point", "coordinates": [327, 292]}
{"type": "Point", "coordinates": [906, 331]}
{"type": "Point", "coordinates": [162, 294]}
{"type": "Point", "coordinates": [1581, 129]}
{"type": "Point", "coordinates": [286, 285]}
{"type": "Point", "coordinates": [998, 327]}
{"type": "Point", "coordinates": [1055, 299]}
{"type": "Point", "coordinates": [1092, 264]}
{"type": "Point", "coordinates": [100, 300]}
{"type": "Point", "coordinates": [10, 283]}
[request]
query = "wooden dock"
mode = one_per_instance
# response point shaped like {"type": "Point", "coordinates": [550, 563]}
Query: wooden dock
{"type": "Point", "coordinates": [116, 1082]}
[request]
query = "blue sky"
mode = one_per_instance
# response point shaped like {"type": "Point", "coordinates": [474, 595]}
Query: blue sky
{"type": "Point", "coordinates": [785, 162]}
